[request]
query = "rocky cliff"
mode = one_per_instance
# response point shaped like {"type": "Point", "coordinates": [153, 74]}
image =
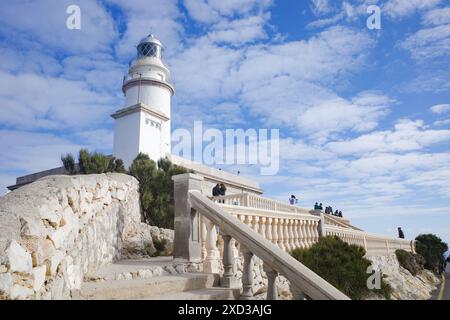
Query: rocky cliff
{"type": "Point", "coordinates": [60, 229]}
{"type": "Point", "coordinates": [404, 285]}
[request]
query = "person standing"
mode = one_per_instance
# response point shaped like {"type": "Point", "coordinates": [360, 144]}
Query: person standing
{"type": "Point", "coordinates": [401, 235]}
{"type": "Point", "coordinates": [293, 200]}
{"type": "Point", "coordinates": [223, 189]}
{"type": "Point", "coordinates": [216, 191]}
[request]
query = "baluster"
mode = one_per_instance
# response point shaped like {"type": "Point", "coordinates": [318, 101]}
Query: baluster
{"type": "Point", "coordinates": [269, 229]}
{"type": "Point", "coordinates": [204, 234]}
{"type": "Point", "coordinates": [275, 231]}
{"type": "Point", "coordinates": [228, 280]}
{"type": "Point", "coordinates": [272, 291]}
{"type": "Point", "coordinates": [291, 234]}
{"type": "Point", "coordinates": [316, 231]}
{"type": "Point", "coordinates": [301, 234]}
{"type": "Point", "coordinates": [255, 223]}
{"type": "Point", "coordinates": [280, 234]}
{"type": "Point", "coordinates": [262, 226]}
{"type": "Point", "coordinates": [296, 235]}
{"type": "Point", "coordinates": [308, 233]}
{"type": "Point", "coordinates": [211, 264]}
{"type": "Point", "coordinates": [247, 220]}
{"type": "Point", "coordinates": [286, 235]}
{"type": "Point", "coordinates": [247, 275]}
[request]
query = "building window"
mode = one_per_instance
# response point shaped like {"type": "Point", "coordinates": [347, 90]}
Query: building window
{"type": "Point", "coordinates": [153, 123]}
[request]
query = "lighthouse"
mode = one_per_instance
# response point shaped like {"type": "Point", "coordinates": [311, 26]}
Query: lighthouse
{"type": "Point", "coordinates": [143, 124]}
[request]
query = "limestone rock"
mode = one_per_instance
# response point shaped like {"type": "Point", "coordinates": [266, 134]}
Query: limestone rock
{"type": "Point", "coordinates": [6, 282]}
{"type": "Point", "coordinates": [39, 277]}
{"type": "Point", "coordinates": [20, 292]}
{"type": "Point", "coordinates": [18, 259]}
{"type": "Point", "coordinates": [32, 227]}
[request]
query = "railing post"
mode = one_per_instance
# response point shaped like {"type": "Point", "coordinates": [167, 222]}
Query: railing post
{"type": "Point", "coordinates": [272, 292]}
{"type": "Point", "coordinates": [211, 263]}
{"type": "Point", "coordinates": [321, 227]}
{"type": "Point", "coordinates": [228, 280]}
{"type": "Point", "coordinates": [247, 274]}
{"type": "Point", "coordinates": [187, 242]}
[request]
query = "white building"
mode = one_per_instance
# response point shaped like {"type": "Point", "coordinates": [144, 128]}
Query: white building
{"type": "Point", "coordinates": [143, 125]}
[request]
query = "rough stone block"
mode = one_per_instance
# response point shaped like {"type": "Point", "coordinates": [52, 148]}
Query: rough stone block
{"type": "Point", "coordinates": [39, 277]}
{"type": "Point", "coordinates": [18, 259]}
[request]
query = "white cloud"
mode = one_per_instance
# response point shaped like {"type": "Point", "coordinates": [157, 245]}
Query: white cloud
{"type": "Point", "coordinates": [441, 122]}
{"type": "Point", "coordinates": [239, 31]}
{"type": "Point", "coordinates": [440, 108]}
{"type": "Point", "coordinates": [208, 11]}
{"type": "Point", "coordinates": [437, 16]}
{"type": "Point", "coordinates": [43, 22]}
{"type": "Point", "coordinates": [403, 8]}
{"type": "Point", "coordinates": [406, 136]}
{"type": "Point", "coordinates": [32, 151]}
{"type": "Point", "coordinates": [429, 43]}
{"type": "Point", "coordinates": [51, 103]}
{"type": "Point", "coordinates": [320, 7]}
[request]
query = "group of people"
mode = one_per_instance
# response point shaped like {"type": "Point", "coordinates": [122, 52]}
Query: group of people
{"type": "Point", "coordinates": [328, 210]}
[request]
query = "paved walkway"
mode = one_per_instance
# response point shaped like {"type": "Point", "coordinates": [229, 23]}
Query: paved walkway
{"type": "Point", "coordinates": [443, 291]}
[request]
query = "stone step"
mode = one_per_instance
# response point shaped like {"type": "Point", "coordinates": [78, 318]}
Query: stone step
{"type": "Point", "coordinates": [200, 294]}
{"type": "Point", "coordinates": [139, 268]}
{"type": "Point", "coordinates": [145, 288]}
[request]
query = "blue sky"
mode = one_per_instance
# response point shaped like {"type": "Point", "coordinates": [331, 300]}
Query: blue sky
{"type": "Point", "coordinates": [364, 115]}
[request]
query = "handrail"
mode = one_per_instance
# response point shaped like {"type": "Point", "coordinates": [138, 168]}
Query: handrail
{"type": "Point", "coordinates": [373, 243]}
{"type": "Point", "coordinates": [298, 274]}
{"type": "Point", "coordinates": [339, 222]}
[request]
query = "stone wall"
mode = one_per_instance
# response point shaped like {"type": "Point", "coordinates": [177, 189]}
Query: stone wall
{"type": "Point", "coordinates": [61, 229]}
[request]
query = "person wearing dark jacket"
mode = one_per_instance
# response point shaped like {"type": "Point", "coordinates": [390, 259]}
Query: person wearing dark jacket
{"type": "Point", "coordinates": [216, 191]}
{"type": "Point", "coordinates": [401, 235]}
{"type": "Point", "coordinates": [222, 189]}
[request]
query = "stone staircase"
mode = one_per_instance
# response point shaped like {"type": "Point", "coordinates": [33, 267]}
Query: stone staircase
{"type": "Point", "coordinates": [152, 279]}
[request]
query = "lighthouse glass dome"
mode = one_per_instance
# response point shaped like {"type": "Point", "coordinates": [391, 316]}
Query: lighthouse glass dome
{"type": "Point", "coordinates": [150, 47]}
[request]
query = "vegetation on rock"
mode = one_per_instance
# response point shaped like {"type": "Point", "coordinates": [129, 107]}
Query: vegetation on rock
{"type": "Point", "coordinates": [92, 163]}
{"type": "Point", "coordinates": [432, 248]}
{"type": "Point", "coordinates": [414, 263]}
{"type": "Point", "coordinates": [342, 265]}
{"type": "Point", "coordinates": [155, 181]}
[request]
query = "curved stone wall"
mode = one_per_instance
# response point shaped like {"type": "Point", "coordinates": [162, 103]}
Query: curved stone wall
{"type": "Point", "coordinates": [59, 229]}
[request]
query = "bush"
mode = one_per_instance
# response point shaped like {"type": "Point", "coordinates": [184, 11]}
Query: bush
{"type": "Point", "coordinates": [69, 163]}
{"type": "Point", "coordinates": [91, 163]}
{"type": "Point", "coordinates": [342, 265]}
{"type": "Point", "coordinates": [432, 248]}
{"type": "Point", "coordinates": [414, 263]}
{"type": "Point", "coordinates": [156, 189]}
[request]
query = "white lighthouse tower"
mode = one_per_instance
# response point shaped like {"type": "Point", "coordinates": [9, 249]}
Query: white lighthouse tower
{"type": "Point", "coordinates": [143, 125]}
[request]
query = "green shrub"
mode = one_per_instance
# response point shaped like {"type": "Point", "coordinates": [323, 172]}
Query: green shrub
{"type": "Point", "coordinates": [432, 248]}
{"type": "Point", "coordinates": [69, 163]}
{"type": "Point", "coordinates": [91, 163]}
{"type": "Point", "coordinates": [414, 263]}
{"type": "Point", "coordinates": [342, 265]}
{"type": "Point", "coordinates": [156, 189]}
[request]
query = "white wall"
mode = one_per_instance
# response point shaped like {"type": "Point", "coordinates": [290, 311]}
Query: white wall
{"type": "Point", "coordinates": [126, 138]}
